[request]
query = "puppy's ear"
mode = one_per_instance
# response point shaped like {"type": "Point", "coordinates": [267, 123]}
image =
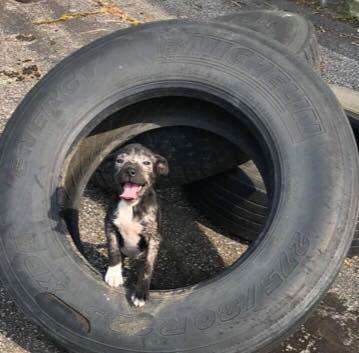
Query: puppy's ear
{"type": "Point", "coordinates": [161, 166]}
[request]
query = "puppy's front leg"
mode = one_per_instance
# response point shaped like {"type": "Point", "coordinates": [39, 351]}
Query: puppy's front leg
{"type": "Point", "coordinates": [145, 271]}
{"type": "Point", "coordinates": [113, 275]}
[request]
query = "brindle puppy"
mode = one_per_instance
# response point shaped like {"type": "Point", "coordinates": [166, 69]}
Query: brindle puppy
{"type": "Point", "coordinates": [132, 227]}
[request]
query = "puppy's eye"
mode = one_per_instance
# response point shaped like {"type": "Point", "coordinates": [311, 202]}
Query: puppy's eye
{"type": "Point", "coordinates": [146, 162]}
{"type": "Point", "coordinates": [119, 160]}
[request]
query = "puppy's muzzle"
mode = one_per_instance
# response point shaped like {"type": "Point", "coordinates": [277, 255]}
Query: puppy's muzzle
{"type": "Point", "coordinates": [131, 180]}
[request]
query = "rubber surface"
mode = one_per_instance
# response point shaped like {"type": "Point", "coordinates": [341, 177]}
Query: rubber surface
{"type": "Point", "coordinates": [307, 141]}
{"type": "Point", "coordinates": [290, 29]}
{"type": "Point", "coordinates": [237, 200]}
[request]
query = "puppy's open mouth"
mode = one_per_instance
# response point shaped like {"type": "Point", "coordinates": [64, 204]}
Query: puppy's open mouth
{"type": "Point", "coordinates": [130, 191]}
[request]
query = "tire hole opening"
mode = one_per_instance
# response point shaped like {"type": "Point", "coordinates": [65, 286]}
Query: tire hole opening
{"type": "Point", "coordinates": [214, 203]}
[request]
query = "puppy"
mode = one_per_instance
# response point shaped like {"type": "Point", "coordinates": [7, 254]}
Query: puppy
{"type": "Point", "coordinates": [132, 226]}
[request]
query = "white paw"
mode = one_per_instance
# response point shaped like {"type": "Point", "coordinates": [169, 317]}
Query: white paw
{"type": "Point", "coordinates": [137, 302]}
{"type": "Point", "coordinates": [113, 276]}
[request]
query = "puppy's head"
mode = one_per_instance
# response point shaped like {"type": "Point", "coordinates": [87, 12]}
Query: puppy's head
{"type": "Point", "coordinates": [136, 169]}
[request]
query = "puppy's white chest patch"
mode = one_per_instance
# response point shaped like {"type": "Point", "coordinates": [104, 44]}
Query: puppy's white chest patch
{"type": "Point", "coordinates": [129, 228]}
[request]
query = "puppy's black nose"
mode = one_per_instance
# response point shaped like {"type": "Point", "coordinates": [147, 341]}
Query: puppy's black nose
{"type": "Point", "coordinates": [131, 171]}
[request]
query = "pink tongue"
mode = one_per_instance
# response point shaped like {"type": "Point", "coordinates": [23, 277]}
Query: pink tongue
{"type": "Point", "coordinates": [130, 191]}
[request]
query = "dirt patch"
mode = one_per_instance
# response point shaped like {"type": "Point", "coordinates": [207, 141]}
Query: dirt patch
{"type": "Point", "coordinates": [31, 70]}
{"type": "Point", "coordinates": [104, 9]}
{"type": "Point", "coordinates": [26, 1]}
{"type": "Point", "coordinates": [25, 37]}
{"type": "Point", "coordinates": [12, 74]}
{"type": "Point", "coordinates": [332, 301]}
{"type": "Point", "coordinates": [332, 329]}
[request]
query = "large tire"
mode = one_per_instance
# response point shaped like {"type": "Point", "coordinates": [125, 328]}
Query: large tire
{"type": "Point", "coordinates": [261, 298]}
{"type": "Point", "coordinates": [290, 29]}
{"type": "Point", "coordinates": [196, 154]}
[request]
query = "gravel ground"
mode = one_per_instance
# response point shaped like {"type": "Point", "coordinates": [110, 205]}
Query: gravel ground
{"type": "Point", "coordinates": [28, 51]}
